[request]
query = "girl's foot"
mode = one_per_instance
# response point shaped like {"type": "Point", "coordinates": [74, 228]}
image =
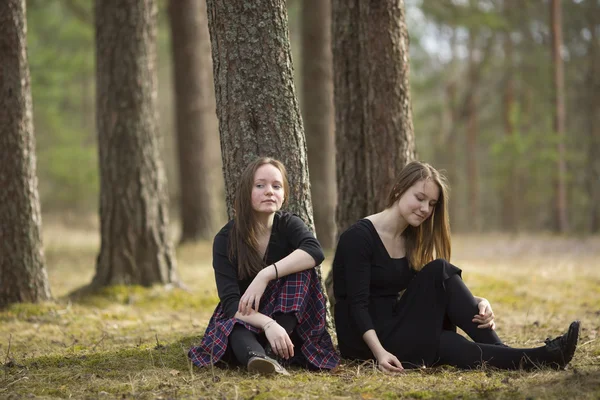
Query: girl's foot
{"type": "Point", "coordinates": [562, 348]}
{"type": "Point", "coordinates": [264, 365]}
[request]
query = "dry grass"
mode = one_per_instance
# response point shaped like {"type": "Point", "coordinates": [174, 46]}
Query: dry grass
{"type": "Point", "coordinates": [132, 342]}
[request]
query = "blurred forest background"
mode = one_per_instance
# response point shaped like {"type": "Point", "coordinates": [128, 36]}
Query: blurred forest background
{"type": "Point", "coordinates": [482, 86]}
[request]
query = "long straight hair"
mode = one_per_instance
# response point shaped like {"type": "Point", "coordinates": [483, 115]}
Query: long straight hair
{"type": "Point", "coordinates": [243, 237]}
{"type": "Point", "coordinates": [431, 239]}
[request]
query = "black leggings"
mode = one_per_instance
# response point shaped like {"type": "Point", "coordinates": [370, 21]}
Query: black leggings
{"type": "Point", "coordinates": [243, 341]}
{"type": "Point", "coordinates": [486, 348]}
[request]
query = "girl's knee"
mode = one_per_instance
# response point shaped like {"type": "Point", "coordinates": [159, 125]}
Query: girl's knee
{"type": "Point", "coordinates": [435, 265]}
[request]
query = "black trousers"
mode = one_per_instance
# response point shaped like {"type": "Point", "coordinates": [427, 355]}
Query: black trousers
{"type": "Point", "coordinates": [243, 341]}
{"type": "Point", "coordinates": [486, 347]}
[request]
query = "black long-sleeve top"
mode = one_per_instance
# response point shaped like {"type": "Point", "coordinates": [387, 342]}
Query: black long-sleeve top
{"type": "Point", "coordinates": [289, 233]}
{"type": "Point", "coordinates": [363, 270]}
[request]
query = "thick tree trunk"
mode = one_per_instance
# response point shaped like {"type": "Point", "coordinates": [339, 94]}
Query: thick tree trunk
{"type": "Point", "coordinates": [373, 116]}
{"type": "Point", "coordinates": [317, 111]}
{"type": "Point", "coordinates": [562, 221]}
{"type": "Point", "coordinates": [256, 100]}
{"type": "Point", "coordinates": [23, 275]}
{"type": "Point", "coordinates": [135, 245]}
{"type": "Point", "coordinates": [200, 178]}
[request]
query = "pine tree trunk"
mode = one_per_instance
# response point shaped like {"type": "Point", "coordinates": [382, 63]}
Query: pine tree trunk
{"type": "Point", "coordinates": [373, 116]}
{"type": "Point", "coordinates": [23, 275]}
{"type": "Point", "coordinates": [472, 136]}
{"type": "Point", "coordinates": [256, 100]}
{"type": "Point", "coordinates": [510, 189]}
{"type": "Point", "coordinates": [200, 179]}
{"type": "Point", "coordinates": [317, 111]}
{"type": "Point", "coordinates": [135, 245]}
{"type": "Point", "coordinates": [593, 182]}
{"type": "Point", "coordinates": [562, 222]}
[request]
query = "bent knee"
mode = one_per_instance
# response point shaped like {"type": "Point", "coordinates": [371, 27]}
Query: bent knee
{"type": "Point", "coordinates": [437, 264]}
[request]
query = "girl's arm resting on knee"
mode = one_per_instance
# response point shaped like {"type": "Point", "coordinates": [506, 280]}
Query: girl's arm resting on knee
{"type": "Point", "coordinates": [276, 335]}
{"type": "Point", "coordinates": [297, 261]}
{"type": "Point", "coordinates": [255, 319]}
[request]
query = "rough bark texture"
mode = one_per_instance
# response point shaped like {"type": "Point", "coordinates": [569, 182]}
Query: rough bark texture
{"type": "Point", "coordinates": [373, 117]}
{"type": "Point", "coordinates": [135, 247]}
{"type": "Point", "coordinates": [200, 179]}
{"type": "Point", "coordinates": [256, 100]}
{"type": "Point", "coordinates": [562, 220]}
{"type": "Point", "coordinates": [317, 112]}
{"type": "Point", "coordinates": [23, 275]}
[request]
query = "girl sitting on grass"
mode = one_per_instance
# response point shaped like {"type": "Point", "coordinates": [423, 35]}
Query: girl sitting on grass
{"type": "Point", "coordinates": [399, 306]}
{"type": "Point", "coordinates": [271, 302]}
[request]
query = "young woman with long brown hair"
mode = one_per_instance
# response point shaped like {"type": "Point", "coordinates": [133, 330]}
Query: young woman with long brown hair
{"type": "Point", "coordinates": [271, 302]}
{"type": "Point", "coordinates": [398, 305]}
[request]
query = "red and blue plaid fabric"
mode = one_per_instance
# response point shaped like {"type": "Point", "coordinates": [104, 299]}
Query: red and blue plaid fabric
{"type": "Point", "coordinates": [298, 293]}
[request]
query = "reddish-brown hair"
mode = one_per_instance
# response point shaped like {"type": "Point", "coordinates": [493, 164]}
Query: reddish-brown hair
{"type": "Point", "coordinates": [431, 239]}
{"type": "Point", "coordinates": [243, 241]}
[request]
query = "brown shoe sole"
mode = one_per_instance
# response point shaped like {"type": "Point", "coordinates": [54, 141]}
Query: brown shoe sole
{"type": "Point", "coordinates": [262, 366]}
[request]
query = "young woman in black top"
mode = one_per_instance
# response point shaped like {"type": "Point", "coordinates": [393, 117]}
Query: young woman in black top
{"type": "Point", "coordinates": [271, 302]}
{"type": "Point", "coordinates": [399, 306]}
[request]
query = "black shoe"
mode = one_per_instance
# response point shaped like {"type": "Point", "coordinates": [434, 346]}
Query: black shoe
{"type": "Point", "coordinates": [264, 365]}
{"type": "Point", "coordinates": [562, 348]}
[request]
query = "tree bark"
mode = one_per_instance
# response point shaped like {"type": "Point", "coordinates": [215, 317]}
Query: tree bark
{"type": "Point", "coordinates": [23, 276]}
{"type": "Point", "coordinates": [200, 179]}
{"type": "Point", "coordinates": [256, 100]}
{"type": "Point", "coordinates": [373, 116]}
{"type": "Point", "coordinates": [562, 221]}
{"type": "Point", "coordinates": [135, 245]}
{"type": "Point", "coordinates": [317, 111]}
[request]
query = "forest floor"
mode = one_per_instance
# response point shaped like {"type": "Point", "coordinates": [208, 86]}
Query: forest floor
{"type": "Point", "coordinates": [131, 342]}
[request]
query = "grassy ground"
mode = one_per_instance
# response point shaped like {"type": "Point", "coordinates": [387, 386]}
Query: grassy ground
{"type": "Point", "coordinates": [132, 342]}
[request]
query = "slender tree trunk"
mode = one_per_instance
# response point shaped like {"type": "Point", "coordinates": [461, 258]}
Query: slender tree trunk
{"type": "Point", "coordinates": [200, 178]}
{"type": "Point", "coordinates": [559, 116]}
{"type": "Point", "coordinates": [454, 121]}
{"type": "Point", "coordinates": [593, 183]}
{"type": "Point", "coordinates": [317, 111]}
{"type": "Point", "coordinates": [23, 275]}
{"type": "Point", "coordinates": [373, 116]}
{"type": "Point", "coordinates": [135, 245]}
{"type": "Point", "coordinates": [472, 133]}
{"type": "Point", "coordinates": [509, 209]}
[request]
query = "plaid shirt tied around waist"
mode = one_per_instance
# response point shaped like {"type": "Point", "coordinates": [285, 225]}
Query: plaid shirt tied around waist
{"type": "Point", "coordinates": [298, 293]}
